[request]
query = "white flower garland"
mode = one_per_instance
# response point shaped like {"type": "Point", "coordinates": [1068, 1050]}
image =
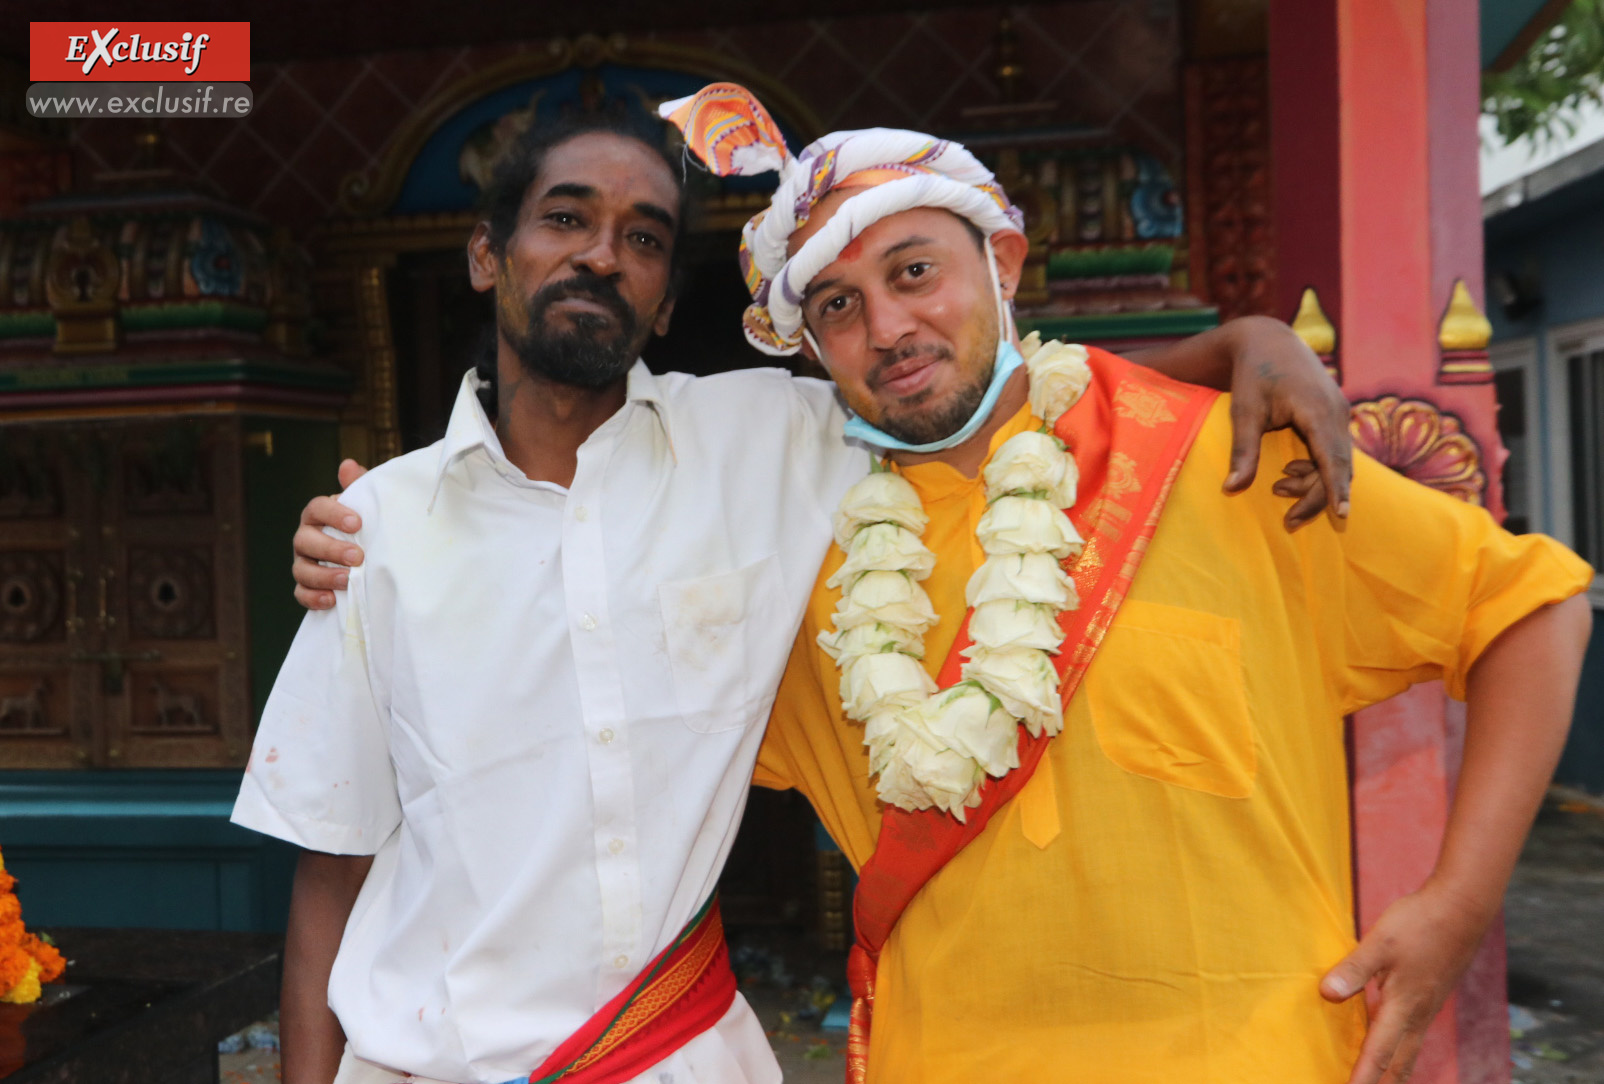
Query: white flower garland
{"type": "Point", "coordinates": [934, 747]}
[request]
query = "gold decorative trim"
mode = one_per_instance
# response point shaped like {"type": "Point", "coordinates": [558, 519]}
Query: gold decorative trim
{"type": "Point", "coordinates": [367, 195]}
{"type": "Point", "coordinates": [378, 355]}
{"type": "Point", "coordinates": [402, 233]}
{"type": "Point", "coordinates": [1421, 442]}
{"type": "Point", "coordinates": [81, 283]}
{"type": "Point", "coordinates": [202, 408]}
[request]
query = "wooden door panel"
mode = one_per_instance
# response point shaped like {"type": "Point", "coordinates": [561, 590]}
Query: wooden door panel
{"type": "Point", "coordinates": [34, 595]}
{"type": "Point", "coordinates": [174, 560]}
{"type": "Point", "coordinates": [179, 716]}
{"type": "Point", "coordinates": [45, 720]}
{"type": "Point", "coordinates": [170, 592]}
{"type": "Point", "coordinates": [38, 725]}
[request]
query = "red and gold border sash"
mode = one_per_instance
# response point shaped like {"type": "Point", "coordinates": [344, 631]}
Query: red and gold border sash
{"type": "Point", "coordinates": [1130, 434]}
{"type": "Point", "coordinates": [679, 995]}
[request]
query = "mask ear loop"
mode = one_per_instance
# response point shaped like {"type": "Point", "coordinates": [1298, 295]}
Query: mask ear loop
{"type": "Point", "coordinates": [1005, 311]}
{"type": "Point", "coordinates": [811, 341]}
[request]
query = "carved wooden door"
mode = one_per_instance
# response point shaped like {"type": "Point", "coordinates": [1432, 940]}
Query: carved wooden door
{"type": "Point", "coordinates": [171, 571]}
{"type": "Point", "coordinates": [122, 624]}
{"type": "Point", "coordinates": [45, 698]}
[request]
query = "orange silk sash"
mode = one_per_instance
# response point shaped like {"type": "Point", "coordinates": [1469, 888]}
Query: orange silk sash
{"type": "Point", "coordinates": [1129, 433]}
{"type": "Point", "coordinates": [679, 995]}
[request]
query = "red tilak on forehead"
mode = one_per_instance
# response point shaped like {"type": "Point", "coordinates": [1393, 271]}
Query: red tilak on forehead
{"type": "Point", "coordinates": [853, 250]}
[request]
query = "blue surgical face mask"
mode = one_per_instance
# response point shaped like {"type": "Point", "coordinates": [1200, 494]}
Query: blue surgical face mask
{"type": "Point", "coordinates": [1008, 359]}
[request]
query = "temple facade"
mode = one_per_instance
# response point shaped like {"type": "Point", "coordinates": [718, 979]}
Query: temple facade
{"type": "Point", "coordinates": [198, 318]}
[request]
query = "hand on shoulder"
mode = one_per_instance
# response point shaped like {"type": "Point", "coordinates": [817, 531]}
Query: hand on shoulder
{"type": "Point", "coordinates": [321, 560]}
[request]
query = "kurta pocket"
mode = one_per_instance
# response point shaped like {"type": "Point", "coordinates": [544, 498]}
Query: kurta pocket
{"type": "Point", "coordinates": [1168, 700]}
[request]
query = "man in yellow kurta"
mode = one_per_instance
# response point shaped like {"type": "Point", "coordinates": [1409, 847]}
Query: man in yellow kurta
{"type": "Point", "coordinates": [1167, 897]}
{"type": "Point", "coordinates": [1161, 900]}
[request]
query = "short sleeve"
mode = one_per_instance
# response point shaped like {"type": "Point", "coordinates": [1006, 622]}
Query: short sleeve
{"type": "Point", "coordinates": [320, 774]}
{"type": "Point", "coordinates": [1428, 582]}
{"type": "Point", "coordinates": [824, 462]}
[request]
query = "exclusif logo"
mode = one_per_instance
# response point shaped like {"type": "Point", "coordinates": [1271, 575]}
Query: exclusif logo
{"type": "Point", "coordinates": [139, 51]}
{"type": "Point", "coordinates": [108, 51]}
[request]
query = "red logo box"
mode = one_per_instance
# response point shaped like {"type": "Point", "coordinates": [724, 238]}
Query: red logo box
{"type": "Point", "coordinates": [139, 52]}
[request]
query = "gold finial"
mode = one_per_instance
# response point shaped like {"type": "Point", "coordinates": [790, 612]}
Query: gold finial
{"type": "Point", "coordinates": [1463, 326]}
{"type": "Point", "coordinates": [1312, 325]}
{"type": "Point", "coordinates": [1010, 72]}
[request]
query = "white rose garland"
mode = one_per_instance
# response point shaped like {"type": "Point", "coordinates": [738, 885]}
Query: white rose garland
{"type": "Point", "coordinates": [932, 747]}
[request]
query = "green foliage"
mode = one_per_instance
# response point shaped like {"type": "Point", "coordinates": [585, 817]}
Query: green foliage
{"type": "Point", "coordinates": [1539, 96]}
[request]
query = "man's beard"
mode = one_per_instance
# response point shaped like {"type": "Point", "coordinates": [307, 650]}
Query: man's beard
{"type": "Point", "coordinates": [586, 356]}
{"type": "Point", "coordinates": [924, 426]}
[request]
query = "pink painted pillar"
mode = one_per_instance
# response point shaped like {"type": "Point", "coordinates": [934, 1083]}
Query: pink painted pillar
{"type": "Point", "coordinates": [1374, 106]}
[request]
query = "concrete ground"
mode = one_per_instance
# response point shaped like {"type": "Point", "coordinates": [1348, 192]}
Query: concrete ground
{"type": "Point", "coordinates": [1554, 917]}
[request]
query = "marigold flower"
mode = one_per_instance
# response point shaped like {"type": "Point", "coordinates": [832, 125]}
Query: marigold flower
{"type": "Point", "coordinates": [27, 991]}
{"type": "Point", "coordinates": [51, 962]}
{"type": "Point", "coordinates": [25, 960]}
{"type": "Point", "coordinates": [14, 963]}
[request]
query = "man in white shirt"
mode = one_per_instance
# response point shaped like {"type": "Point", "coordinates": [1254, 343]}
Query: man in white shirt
{"type": "Point", "coordinates": [517, 750]}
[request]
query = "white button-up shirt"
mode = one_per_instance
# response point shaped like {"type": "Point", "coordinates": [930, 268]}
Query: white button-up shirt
{"type": "Point", "coordinates": [539, 709]}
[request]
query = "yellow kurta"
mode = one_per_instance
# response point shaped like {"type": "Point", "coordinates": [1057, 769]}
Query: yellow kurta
{"type": "Point", "coordinates": [1160, 901]}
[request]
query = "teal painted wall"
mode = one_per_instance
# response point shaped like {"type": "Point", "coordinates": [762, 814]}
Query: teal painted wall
{"type": "Point", "coordinates": [139, 848]}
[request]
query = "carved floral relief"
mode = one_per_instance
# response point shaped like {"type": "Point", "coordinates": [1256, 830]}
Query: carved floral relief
{"type": "Point", "coordinates": [1422, 443]}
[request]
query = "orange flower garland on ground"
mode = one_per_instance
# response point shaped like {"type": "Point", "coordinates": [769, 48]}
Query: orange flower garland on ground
{"type": "Point", "coordinates": [25, 960]}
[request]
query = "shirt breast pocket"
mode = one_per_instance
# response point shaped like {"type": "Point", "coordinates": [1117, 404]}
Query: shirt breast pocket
{"type": "Point", "coordinates": [710, 625]}
{"type": "Point", "coordinates": [1171, 704]}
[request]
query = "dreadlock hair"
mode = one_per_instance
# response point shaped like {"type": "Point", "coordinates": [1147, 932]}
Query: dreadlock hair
{"type": "Point", "coordinates": [502, 201]}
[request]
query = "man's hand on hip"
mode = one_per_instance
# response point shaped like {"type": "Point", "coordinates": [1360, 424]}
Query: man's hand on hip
{"type": "Point", "coordinates": [1411, 960]}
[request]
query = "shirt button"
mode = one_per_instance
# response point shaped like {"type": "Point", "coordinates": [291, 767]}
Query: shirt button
{"type": "Point", "coordinates": [621, 962]}
{"type": "Point", "coordinates": [588, 623]}
{"type": "Point", "coordinates": [616, 846]}
{"type": "Point", "coordinates": [581, 513]}
{"type": "Point", "coordinates": [606, 737]}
